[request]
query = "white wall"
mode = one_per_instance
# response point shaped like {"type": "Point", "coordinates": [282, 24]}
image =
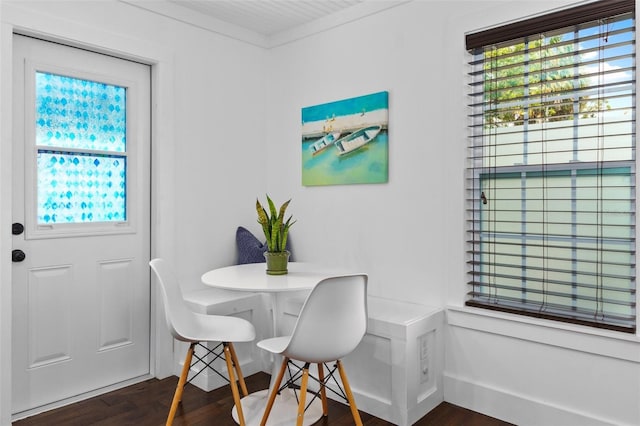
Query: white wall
{"type": "Point", "coordinates": [409, 234]}
{"type": "Point", "coordinates": [393, 231]}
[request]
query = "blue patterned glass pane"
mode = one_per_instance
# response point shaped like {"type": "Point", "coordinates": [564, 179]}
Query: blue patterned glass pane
{"type": "Point", "coordinates": [80, 188]}
{"type": "Point", "coordinates": [75, 113]}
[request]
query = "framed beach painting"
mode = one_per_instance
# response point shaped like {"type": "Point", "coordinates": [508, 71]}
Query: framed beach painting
{"type": "Point", "coordinates": [346, 141]}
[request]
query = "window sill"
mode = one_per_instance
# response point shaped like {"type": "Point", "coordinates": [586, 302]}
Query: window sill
{"type": "Point", "coordinates": [585, 339]}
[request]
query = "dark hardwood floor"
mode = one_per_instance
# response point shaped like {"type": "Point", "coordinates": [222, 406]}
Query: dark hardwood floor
{"type": "Point", "coordinates": [147, 403]}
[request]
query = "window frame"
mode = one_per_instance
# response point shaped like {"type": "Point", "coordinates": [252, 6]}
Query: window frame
{"type": "Point", "coordinates": [35, 230]}
{"type": "Point", "coordinates": [503, 34]}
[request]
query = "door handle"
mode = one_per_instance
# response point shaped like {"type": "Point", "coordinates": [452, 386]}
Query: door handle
{"type": "Point", "coordinates": [17, 228]}
{"type": "Point", "coordinates": [17, 255]}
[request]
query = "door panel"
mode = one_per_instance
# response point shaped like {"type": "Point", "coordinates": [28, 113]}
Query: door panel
{"type": "Point", "coordinates": [116, 310]}
{"type": "Point", "coordinates": [81, 296]}
{"type": "Point", "coordinates": [48, 302]}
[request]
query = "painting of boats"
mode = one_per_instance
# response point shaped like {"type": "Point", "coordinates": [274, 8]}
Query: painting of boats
{"type": "Point", "coordinates": [324, 143]}
{"type": "Point", "coordinates": [357, 139]}
{"type": "Point", "coordinates": [346, 141]}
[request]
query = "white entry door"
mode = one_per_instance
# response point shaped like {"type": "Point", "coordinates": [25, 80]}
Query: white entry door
{"type": "Point", "coordinates": [81, 209]}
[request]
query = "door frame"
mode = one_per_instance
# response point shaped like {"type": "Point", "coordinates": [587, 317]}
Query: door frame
{"type": "Point", "coordinates": [16, 20]}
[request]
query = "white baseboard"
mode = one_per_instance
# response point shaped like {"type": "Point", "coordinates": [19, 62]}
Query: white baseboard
{"type": "Point", "coordinates": [517, 409]}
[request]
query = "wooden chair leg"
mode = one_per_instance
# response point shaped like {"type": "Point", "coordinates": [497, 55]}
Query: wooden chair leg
{"type": "Point", "coordinates": [234, 385]}
{"type": "Point", "coordinates": [303, 394]}
{"type": "Point", "coordinates": [236, 364]}
{"type": "Point", "coordinates": [347, 389]}
{"type": "Point", "coordinates": [323, 391]}
{"type": "Point", "coordinates": [274, 392]}
{"type": "Point", "coordinates": [177, 396]}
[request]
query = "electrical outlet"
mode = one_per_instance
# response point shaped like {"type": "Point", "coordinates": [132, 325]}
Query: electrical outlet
{"type": "Point", "coordinates": [424, 347]}
{"type": "Point", "coordinates": [424, 359]}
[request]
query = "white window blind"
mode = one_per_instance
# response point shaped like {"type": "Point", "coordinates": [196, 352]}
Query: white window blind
{"type": "Point", "coordinates": [551, 176]}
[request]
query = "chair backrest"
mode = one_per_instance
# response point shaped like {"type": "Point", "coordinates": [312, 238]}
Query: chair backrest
{"type": "Point", "coordinates": [178, 316]}
{"type": "Point", "coordinates": [333, 320]}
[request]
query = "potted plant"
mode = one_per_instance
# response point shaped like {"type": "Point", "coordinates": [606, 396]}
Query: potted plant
{"type": "Point", "coordinates": [276, 230]}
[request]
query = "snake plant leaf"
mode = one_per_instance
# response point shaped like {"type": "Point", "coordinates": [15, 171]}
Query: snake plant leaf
{"type": "Point", "coordinates": [262, 214]}
{"type": "Point", "coordinates": [263, 219]}
{"type": "Point", "coordinates": [285, 232]}
{"type": "Point", "coordinates": [277, 233]}
{"type": "Point", "coordinates": [272, 208]}
{"type": "Point", "coordinates": [283, 208]}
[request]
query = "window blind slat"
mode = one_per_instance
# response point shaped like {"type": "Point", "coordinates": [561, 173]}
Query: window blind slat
{"type": "Point", "coordinates": [604, 251]}
{"type": "Point", "coordinates": [503, 254]}
{"type": "Point", "coordinates": [535, 269]}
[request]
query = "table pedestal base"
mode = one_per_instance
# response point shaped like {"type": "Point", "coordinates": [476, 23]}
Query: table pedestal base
{"type": "Point", "coordinates": [283, 413]}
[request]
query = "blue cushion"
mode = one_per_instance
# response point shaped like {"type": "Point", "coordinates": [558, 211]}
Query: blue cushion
{"type": "Point", "coordinates": [251, 249]}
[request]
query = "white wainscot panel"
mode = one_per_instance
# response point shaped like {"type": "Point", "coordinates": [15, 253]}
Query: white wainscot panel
{"type": "Point", "coordinates": [49, 315]}
{"type": "Point", "coordinates": [573, 376]}
{"type": "Point", "coordinates": [376, 350]}
{"type": "Point", "coordinates": [116, 303]}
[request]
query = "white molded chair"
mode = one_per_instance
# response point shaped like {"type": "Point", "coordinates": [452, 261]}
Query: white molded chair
{"type": "Point", "coordinates": [188, 326]}
{"type": "Point", "coordinates": [332, 322]}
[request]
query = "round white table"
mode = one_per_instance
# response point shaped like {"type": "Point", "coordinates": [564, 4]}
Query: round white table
{"type": "Point", "coordinates": [254, 278]}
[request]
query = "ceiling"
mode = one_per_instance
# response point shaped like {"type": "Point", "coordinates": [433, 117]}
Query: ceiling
{"type": "Point", "coordinates": [266, 23]}
{"type": "Point", "coordinates": [266, 17]}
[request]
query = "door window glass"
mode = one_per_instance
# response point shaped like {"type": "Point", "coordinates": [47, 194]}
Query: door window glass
{"type": "Point", "coordinates": [81, 150]}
